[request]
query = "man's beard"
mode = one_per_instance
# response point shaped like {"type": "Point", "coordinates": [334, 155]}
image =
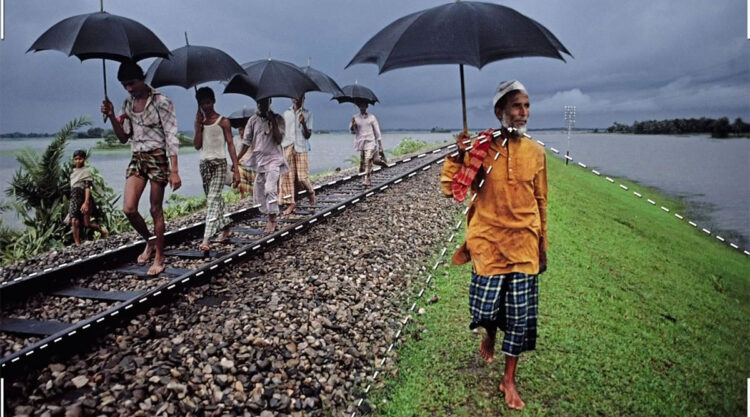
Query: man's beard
{"type": "Point", "coordinates": [518, 131]}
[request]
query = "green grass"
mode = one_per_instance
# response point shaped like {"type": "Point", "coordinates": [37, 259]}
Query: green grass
{"type": "Point", "coordinates": [409, 145]}
{"type": "Point", "coordinates": [640, 315]}
{"type": "Point", "coordinates": [178, 206]}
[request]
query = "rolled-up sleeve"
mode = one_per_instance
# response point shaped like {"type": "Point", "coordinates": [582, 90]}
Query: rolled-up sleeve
{"type": "Point", "coordinates": [168, 117]}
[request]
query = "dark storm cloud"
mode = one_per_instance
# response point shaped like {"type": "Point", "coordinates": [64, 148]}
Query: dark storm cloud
{"type": "Point", "coordinates": [633, 60]}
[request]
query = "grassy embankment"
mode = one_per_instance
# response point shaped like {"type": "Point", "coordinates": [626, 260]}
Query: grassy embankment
{"type": "Point", "coordinates": [640, 315]}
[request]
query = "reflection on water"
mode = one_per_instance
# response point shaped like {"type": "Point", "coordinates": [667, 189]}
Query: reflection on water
{"type": "Point", "coordinates": [706, 172]}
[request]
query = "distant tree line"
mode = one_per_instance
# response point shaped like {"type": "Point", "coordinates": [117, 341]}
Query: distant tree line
{"type": "Point", "coordinates": [94, 132]}
{"type": "Point", "coordinates": [718, 128]}
{"type": "Point", "coordinates": [25, 135]}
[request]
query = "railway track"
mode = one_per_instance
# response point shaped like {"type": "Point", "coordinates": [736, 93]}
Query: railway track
{"type": "Point", "coordinates": [95, 295]}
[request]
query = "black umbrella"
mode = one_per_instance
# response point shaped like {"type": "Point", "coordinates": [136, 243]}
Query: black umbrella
{"type": "Point", "coordinates": [239, 118]}
{"type": "Point", "coordinates": [191, 65]}
{"type": "Point", "coordinates": [101, 35]}
{"type": "Point", "coordinates": [356, 92]}
{"type": "Point", "coordinates": [325, 83]}
{"type": "Point", "coordinates": [464, 33]}
{"type": "Point", "coordinates": [270, 78]}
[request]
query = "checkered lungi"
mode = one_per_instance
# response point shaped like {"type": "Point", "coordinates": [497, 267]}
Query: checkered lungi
{"type": "Point", "coordinates": [286, 181]}
{"type": "Point", "coordinates": [151, 165]}
{"type": "Point", "coordinates": [212, 174]}
{"type": "Point", "coordinates": [509, 302]}
{"type": "Point", "coordinates": [300, 166]}
{"type": "Point", "coordinates": [365, 162]}
{"type": "Point", "coordinates": [246, 180]}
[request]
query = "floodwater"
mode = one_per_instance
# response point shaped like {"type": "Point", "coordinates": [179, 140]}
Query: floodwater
{"type": "Point", "coordinates": [328, 152]}
{"type": "Point", "coordinates": [711, 175]}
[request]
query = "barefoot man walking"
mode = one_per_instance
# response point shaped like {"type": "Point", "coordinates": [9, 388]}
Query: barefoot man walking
{"type": "Point", "coordinates": [264, 132]}
{"type": "Point", "coordinates": [153, 142]}
{"type": "Point", "coordinates": [506, 230]}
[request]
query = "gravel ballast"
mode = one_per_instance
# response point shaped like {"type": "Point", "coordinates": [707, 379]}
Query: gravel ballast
{"type": "Point", "coordinates": [295, 331]}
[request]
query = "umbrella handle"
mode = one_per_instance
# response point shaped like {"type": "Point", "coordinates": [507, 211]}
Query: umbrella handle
{"type": "Point", "coordinates": [463, 98]}
{"type": "Point", "coordinates": [106, 97]}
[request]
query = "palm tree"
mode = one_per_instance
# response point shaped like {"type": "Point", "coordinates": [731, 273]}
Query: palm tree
{"type": "Point", "coordinates": [40, 188]}
{"type": "Point", "coordinates": [39, 185]}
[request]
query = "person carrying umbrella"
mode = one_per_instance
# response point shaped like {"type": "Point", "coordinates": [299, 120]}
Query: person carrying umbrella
{"type": "Point", "coordinates": [366, 129]}
{"type": "Point", "coordinates": [213, 135]}
{"type": "Point", "coordinates": [264, 132]}
{"type": "Point", "coordinates": [299, 123]}
{"type": "Point", "coordinates": [506, 233]}
{"type": "Point", "coordinates": [153, 139]}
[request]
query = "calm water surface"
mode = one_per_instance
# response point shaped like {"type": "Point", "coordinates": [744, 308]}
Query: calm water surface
{"type": "Point", "coordinates": [329, 151]}
{"type": "Point", "coordinates": [710, 174]}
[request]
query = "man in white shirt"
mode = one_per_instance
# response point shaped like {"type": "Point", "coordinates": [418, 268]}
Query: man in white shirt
{"type": "Point", "coordinates": [366, 132]}
{"type": "Point", "coordinates": [299, 124]}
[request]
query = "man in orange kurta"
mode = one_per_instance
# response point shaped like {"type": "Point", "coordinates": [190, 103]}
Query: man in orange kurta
{"type": "Point", "coordinates": [506, 236]}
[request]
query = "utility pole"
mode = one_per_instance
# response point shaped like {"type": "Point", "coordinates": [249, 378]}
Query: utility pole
{"type": "Point", "coordinates": [570, 120]}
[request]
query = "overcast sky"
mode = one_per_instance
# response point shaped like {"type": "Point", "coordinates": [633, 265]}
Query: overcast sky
{"type": "Point", "coordinates": [633, 60]}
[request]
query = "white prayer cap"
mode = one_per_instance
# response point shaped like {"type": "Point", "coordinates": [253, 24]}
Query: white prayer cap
{"type": "Point", "coordinates": [506, 87]}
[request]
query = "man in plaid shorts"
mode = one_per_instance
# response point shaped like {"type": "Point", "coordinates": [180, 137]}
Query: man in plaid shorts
{"type": "Point", "coordinates": [148, 121]}
{"type": "Point", "coordinates": [506, 229]}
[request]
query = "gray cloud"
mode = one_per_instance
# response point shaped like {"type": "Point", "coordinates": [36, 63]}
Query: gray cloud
{"type": "Point", "coordinates": [633, 60]}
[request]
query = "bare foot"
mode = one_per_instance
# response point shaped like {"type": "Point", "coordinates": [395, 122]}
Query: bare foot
{"type": "Point", "coordinates": [512, 398]}
{"type": "Point", "coordinates": [156, 268]}
{"type": "Point", "coordinates": [205, 247]}
{"type": "Point", "coordinates": [487, 348]}
{"type": "Point", "coordinates": [289, 210]}
{"type": "Point", "coordinates": [224, 235]}
{"type": "Point", "coordinates": [105, 233]}
{"type": "Point", "coordinates": [366, 183]}
{"type": "Point", "coordinates": [146, 255]}
{"type": "Point", "coordinates": [312, 198]}
{"type": "Point", "coordinates": [270, 226]}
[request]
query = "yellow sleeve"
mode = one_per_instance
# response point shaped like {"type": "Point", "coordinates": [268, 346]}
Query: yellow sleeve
{"type": "Point", "coordinates": [540, 193]}
{"type": "Point", "coordinates": [450, 168]}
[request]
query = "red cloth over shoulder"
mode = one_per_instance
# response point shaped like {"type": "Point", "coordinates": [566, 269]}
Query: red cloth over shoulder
{"type": "Point", "coordinates": [465, 176]}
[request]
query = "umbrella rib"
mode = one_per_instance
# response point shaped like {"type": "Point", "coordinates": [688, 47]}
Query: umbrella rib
{"type": "Point", "coordinates": [75, 39]}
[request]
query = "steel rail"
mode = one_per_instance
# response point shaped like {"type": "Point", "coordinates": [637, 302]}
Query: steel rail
{"type": "Point", "coordinates": [82, 333]}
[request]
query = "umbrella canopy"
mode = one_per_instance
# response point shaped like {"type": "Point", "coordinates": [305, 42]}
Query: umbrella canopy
{"type": "Point", "coordinates": [325, 83]}
{"type": "Point", "coordinates": [270, 78]}
{"type": "Point", "coordinates": [191, 65]}
{"type": "Point", "coordinates": [355, 92]}
{"type": "Point", "coordinates": [464, 33]}
{"type": "Point", "coordinates": [101, 35]}
{"type": "Point", "coordinates": [239, 118]}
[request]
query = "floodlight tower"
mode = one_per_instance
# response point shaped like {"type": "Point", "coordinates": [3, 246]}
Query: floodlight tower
{"type": "Point", "coordinates": [570, 120]}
